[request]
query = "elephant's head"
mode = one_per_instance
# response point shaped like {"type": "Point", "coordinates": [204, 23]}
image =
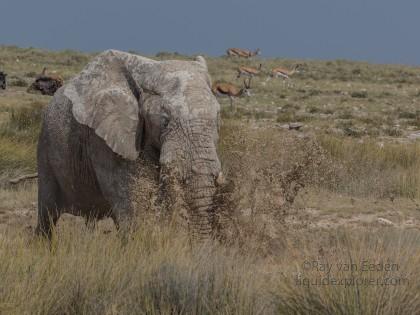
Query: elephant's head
{"type": "Point", "coordinates": [165, 109]}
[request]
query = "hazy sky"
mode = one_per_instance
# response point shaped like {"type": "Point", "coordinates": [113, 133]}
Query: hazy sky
{"type": "Point", "coordinates": [381, 31]}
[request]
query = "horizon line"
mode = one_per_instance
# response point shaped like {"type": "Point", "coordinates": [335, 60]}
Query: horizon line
{"type": "Point", "coordinates": [192, 55]}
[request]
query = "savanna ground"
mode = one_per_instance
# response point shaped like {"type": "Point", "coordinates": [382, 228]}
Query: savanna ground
{"type": "Point", "coordinates": [340, 194]}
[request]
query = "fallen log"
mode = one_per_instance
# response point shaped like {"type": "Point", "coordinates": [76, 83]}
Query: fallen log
{"type": "Point", "coordinates": [17, 180]}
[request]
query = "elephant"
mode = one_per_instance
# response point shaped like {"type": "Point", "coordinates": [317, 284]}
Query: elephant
{"type": "Point", "coordinates": [119, 107]}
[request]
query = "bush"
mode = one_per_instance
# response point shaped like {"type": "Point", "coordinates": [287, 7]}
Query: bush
{"type": "Point", "coordinates": [17, 81]}
{"type": "Point", "coordinates": [359, 94]}
{"type": "Point", "coordinates": [267, 167]}
{"type": "Point", "coordinates": [285, 117]}
{"type": "Point", "coordinates": [393, 132]}
{"type": "Point", "coordinates": [31, 74]}
{"type": "Point", "coordinates": [313, 110]}
{"type": "Point", "coordinates": [407, 115]}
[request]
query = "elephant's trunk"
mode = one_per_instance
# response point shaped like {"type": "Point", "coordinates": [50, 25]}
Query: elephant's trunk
{"type": "Point", "coordinates": [205, 172]}
{"type": "Point", "coordinates": [201, 204]}
{"type": "Point", "coordinates": [200, 172]}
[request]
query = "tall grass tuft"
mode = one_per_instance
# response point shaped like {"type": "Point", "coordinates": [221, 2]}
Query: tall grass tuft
{"type": "Point", "coordinates": [18, 138]}
{"type": "Point", "coordinates": [370, 168]}
{"type": "Point", "coordinates": [372, 272]}
{"type": "Point", "coordinates": [155, 272]}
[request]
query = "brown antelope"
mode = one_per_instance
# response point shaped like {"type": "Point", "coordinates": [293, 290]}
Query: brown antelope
{"type": "Point", "coordinates": [43, 73]}
{"type": "Point", "coordinates": [285, 73]}
{"type": "Point", "coordinates": [230, 90]}
{"type": "Point", "coordinates": [248, 72]}
{"type": "Point", "coordinates": [244, 53]}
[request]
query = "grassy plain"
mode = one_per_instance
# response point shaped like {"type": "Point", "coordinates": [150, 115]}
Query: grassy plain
{"type": "Point", "coordinates": [345, 189]}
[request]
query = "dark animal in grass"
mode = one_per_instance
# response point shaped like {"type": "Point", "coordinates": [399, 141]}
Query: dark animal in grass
{"type": "Point", "coordinates": [3, 82]}
{"type": "Point", "coordinates": [46, 84]}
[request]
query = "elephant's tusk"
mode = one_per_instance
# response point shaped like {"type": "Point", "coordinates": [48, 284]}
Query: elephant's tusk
{"type": "Point", "coordinates": [220, 180]}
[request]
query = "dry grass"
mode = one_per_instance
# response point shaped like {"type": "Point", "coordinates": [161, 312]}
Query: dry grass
{"type": "Point", "coordinates": [19, 198]}
{"type": "Point", "coordinates": [353, 285]}
{"type": "Point", "coordinates": [368, 168]}
{"type": "Point", "coordinates": [18, 138]}
{"type": "Point", "coordinates": [267, 169]}
{"type": "Point", "coordinates": [157, 272]}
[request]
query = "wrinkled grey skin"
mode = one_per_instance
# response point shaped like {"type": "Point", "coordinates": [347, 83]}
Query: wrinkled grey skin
{"type": "Point", "coordinates": [122, 105]}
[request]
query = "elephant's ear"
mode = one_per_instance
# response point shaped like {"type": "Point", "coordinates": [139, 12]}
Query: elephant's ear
{"type": "Point", "coordinates": [106, 98]}
{"type": "Point", "coordinates": [203, 64]}
{"type": "Point", "coordinates": [201, 61]}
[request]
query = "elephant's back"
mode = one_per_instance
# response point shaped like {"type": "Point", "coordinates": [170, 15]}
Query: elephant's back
{"type": "Point", "coordinates": [57, 138]}
{"type": "Point", "coordinates": [57, 116]}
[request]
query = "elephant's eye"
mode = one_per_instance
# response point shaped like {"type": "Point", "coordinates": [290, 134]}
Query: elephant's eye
{"type": "Point", "coordinates": [164, 121]}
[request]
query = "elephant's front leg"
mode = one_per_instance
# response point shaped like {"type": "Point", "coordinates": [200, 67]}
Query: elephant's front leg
{"type": "Point", "coordinates": [47, 218]}
{"type": "Point", "coordinates": [122, 211]}
{"type": "Point", "coordinates": [49, 195]}
{"type": "Point", "coordinates": [124, 219]}
{"type": "Point", "coordinates": [115, 180]}
{"type": "Point", "coordinates": [48, 204]}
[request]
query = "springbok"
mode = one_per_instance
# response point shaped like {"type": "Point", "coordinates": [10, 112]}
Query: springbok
{"type": "Point", "coordinates": [230, 90]}
{"type": "Point", "coordinates": [244, 53]}
{"type": "Point", "coordinates": [248, 72]}
{"type": "Point", "coordinates": [285, 73]}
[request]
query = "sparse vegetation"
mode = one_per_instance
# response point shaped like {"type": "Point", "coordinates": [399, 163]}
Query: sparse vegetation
{"type": "Point", "coordinates": [359, 94]}
{"type": "Point", "coordinates": [17, 81]}
{"type": "Point", "coordinates": [369, 168]}
{"type": "Point", "coordinates": [157, 272]}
